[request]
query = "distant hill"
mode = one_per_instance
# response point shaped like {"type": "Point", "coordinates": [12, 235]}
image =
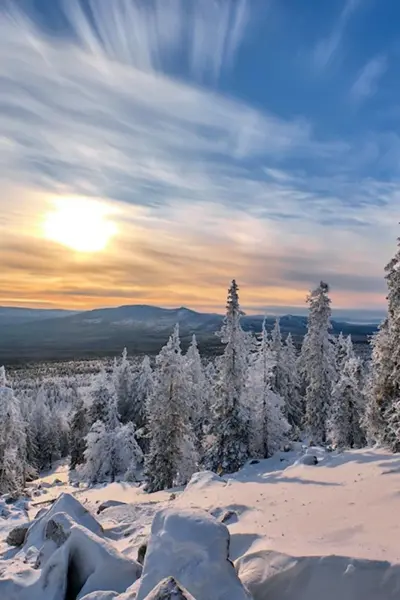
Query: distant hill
{"type": "Point", "coordinates": [57, 335]}
{"type": "Point", "coordinates": [10, 315]}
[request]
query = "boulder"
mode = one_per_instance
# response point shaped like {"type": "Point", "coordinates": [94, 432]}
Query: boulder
{"type": "Point", "coordinates": [68, 505]}
{"type": "Point", "coordinates": [84, 564]}
{"type": "Point", "coordinates": [169, 589]}
{"type": "Point", "coordinates": [193, 548]}
{"type": "Point", "coordinates": [204, 479]}
{"type": "Point", "coordinates": [16, 536]}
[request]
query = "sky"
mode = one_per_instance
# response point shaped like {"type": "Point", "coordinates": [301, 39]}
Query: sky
{"type": "Point", "coordinates": [152, 150]}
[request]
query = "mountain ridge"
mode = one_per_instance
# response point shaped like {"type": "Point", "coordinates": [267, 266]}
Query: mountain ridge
{"type": "Point", "coordinates": [141, 328]}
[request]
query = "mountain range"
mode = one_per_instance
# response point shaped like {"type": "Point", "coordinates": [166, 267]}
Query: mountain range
{"type": "Point", "coordinates": [38, 334]}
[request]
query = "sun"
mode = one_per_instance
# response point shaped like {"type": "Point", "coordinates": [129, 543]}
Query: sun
{"type": "Point", "coordinates": [80, 224]}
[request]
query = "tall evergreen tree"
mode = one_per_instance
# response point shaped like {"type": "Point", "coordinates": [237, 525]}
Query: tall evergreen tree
{"type": "Point", "coordinates": [122, 378]}
{"type": "Point", "coordinates": [317, 363]}
{"type": "Point", "coordinates": [13, 464]}
{"type": "Point", "coordinates": [228, 447]}
{"type": "Point", "coordinates": [293, 409]}
{"type": "Point", "coordinates": [198, 391]}
{"type": "Point", "coordinates": [345, 423]}
{"type": "Point", "coordinates": [100, 394]}
{"type": "Point", "coordinates": [168, 420]}
{"type": "Point", "coordinates": [78, 432]}
{"type": "Point", "coordinates": [269, 426]}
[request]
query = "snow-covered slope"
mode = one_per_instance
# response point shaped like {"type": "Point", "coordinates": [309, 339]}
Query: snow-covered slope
{"type": "Point", "coordinates": [276, 511]}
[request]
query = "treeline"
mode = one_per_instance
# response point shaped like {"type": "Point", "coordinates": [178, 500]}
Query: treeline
{"type": "Point", "coordinates": [180, 414]}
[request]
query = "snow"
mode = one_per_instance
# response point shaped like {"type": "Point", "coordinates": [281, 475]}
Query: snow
{"type": "Point", "coordinates": [300, 532]}
{"type": "Point", "coordinates": [192, 547]}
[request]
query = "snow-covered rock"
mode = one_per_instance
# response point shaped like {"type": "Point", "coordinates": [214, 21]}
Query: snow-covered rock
{"type": "Point", "coordinates": [204, 479]}
{"type": "Point", "coordinates": [109, 504]}
{"type": "Point", "coordinates": [65, 504]}
{"type": "Point", "coordinates": [309, 460]}
{"type": "Point", "coordinates": [85, 563]}
{"type": "Point", "coordinates": [192, 547]}
{"type": "Point", "coordinates": [169, 589]}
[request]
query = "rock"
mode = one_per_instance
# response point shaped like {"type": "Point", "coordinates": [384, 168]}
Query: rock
{"type": "Point", "coordinates": [287, 448]}
{"type": "Point", "coordinates": [172, 496]}
{"type": "Point", "coordinates": [229, 515]}
{"type": "Point", "coordinates": [9, 499]}
{"type": "Point", "coordinates": [57, 481]}
{"type": "Point", "coordinates": [141, 553]}
{"type": "Point", "coordinates": [109, 504]}
{"type": "Point", "coordinates": [169, 589]}
{"type": "Point", "coordinates": [55, 531]}
{"type": "Point", "coordinates": [17, 536]}
{"type": "Point", "coordinates": [255, 461]}
{"type": "Point", "coordinates": [309, 459]}
{"type": "Point", "coordinates": [192, 547]}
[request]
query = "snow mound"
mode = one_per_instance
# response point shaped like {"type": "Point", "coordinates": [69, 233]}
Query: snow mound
{"type": "Point", "coordinates": [192, 547]}
{"type": "Point", "coordinates": [64, 504]}
{"type": "Point", "coordinates": [268, 574]}
{"type": "Point", "coordinates": [202, 480]}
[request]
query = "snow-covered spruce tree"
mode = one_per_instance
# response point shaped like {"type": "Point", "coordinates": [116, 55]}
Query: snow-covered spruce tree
{"type": "Point", "coordinates": [383, 415]}
{"type": "Point", "coordinates": [100, 395]}
{"type": "Point", "coordinates": [198, 392]}
{"type": "Point", "coordinates": [378, 388]}
{"type": "Point", "coordinates": [317, 364]}
{"type": "Point", "coordinates": [268, 425]}
{"type": "Point", "coordinates": [228, 440]}
{"type": "Point", "coordinates": [111, 448]}
{"type": "Point", "coordinates": [13, 465]}
{"type": "Point", "coordinates": [294, 406]}
{"type": "Point", "coordinates": [345, 422]}
{"type": "Point", "coordinates": [170, 432]}
{"type": "Point", "coordinates": [46, 435]}
{"type": "Point", "coordinates": [144, 389]}
{"type": "Point", "coordinates": [122, 377]}
{"type": "Point", "coordinates": [79, 429]}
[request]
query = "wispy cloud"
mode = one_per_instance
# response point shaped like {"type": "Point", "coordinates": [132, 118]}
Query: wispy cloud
{"type": "Point", "coordinates": [367, 80]}
{"type": "Point", "coordinates": [328, 47]}
{"type": "Point", "coordinates": [152, 35]}
{"type": "Point", "coordinates": [204, 187]}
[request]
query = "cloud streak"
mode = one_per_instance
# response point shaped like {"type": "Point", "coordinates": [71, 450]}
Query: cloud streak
{"type": "Point", "coordinates": [367, 80]}
{"type": "Point", "coordinates": [203, 187]}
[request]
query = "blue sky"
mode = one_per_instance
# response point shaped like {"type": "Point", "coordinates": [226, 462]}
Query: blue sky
{"type": "Point", "coordinates": [252, 139]}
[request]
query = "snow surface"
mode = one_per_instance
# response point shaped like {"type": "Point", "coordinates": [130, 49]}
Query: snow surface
{"type": "Point", "coordinates": [291, 521]}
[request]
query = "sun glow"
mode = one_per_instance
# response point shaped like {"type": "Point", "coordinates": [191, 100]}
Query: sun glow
{"type": "Point", "coordinates": [79, 224]}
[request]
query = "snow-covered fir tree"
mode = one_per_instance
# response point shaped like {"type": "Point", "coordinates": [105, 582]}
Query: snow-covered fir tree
{"type": "Point", "coordinates": [293, 408]}
{"type": "Point", "coordinates": [268, 425]}
{"type": "Point", "coordinates": [122, 378]}
{"type": "Point", "coordinates": [228, 440]}
{"type": "Point", "coordinates": [78, 432]}
{"type": "Point", "coordinates": [345, 422]}
{"type": "Point", "coordinates": [317, 364]}
{"type": "Point", "coordinates": [383, 417]}
{"type": "Point", "coordinates": [46, 439]}
{"type": "Point", "coordinates": [101, 392]}
{"type": "Point", "coordinates": [111, 448]}
{"type": "Point", "coordinates": [198, 392]}
{"type": "Point", "coordinates": [379, 388]}
{"type": "Point", "coordinates": [13, 465]}
{"type": "Point", "coordinates": [143, 390]}
{"type": "Point", "coordinates": [171, 456]}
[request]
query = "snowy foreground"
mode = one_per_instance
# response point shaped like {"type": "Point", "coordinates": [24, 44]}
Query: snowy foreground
{"type": "Point", "coordinates": [295, 531]}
